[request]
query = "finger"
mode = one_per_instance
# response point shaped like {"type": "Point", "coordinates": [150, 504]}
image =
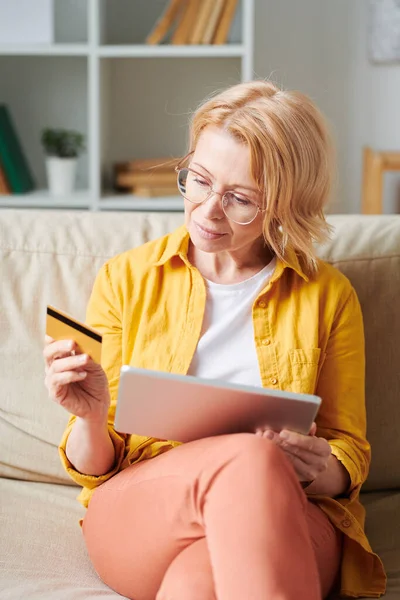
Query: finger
{"type": "Point", "coordinates": [48, 340]}
{"type": "Point", "coordinates": [266, 432]}
{"type": "Point", "coordinates": [59, 356]}
{"type": "Point", "coordinates": [269, 434]}
{"type": "Point", "coordinates": [70, 363]}
{"type": "Point", "coordinates": [309, 458]}
{"type": "Point", "coordinates": [57, 347]}
{"type": "Point", "coordinates": [304, 471]}
{"type": "Point", "coordinates": [59, 380]}
{"type": "Point", "coordinates": [313, 429]}
{"type": "Point", "coordinates": [52, 359]}
{"type": "Point", "coordinates": [305, 442]}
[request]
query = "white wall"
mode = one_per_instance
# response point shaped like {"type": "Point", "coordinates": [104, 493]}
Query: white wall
{"type": "Point", "coordinates": [320, 48]}
{"type": "Point", "coordinates": [36, 89]}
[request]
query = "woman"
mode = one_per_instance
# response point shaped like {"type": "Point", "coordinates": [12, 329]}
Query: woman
{"type": "Point", "coordinates": [238, 294]}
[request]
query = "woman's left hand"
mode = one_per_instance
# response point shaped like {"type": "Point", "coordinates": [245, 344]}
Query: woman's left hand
{"type": "Point", "coordinates": [308, 454]}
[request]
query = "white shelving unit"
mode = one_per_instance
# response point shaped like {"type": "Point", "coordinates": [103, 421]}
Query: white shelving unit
{"type": "Point", "coordinates": [131, 100]}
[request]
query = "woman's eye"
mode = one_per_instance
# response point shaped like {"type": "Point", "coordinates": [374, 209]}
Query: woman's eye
{"type": "Point", "coordinates": [200, 182]}
{"type": "Point", "coordinates": [241, 201]}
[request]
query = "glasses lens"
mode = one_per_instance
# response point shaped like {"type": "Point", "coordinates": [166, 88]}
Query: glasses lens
{"type": "Point", "coordinates": [192, 186]}
{"type": "Point", "coordinates": [181, 181]}
{"type": "Point", "coordinates": [239, 209]}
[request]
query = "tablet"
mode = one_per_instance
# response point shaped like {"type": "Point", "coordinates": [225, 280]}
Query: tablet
{"type": "Point", "coordinates": [184, 408]}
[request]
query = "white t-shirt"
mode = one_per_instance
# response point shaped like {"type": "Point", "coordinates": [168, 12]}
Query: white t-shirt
{"type": "Point", "coordinates": [226, 349]}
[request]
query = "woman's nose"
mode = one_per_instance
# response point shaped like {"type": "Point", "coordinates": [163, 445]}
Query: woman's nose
{"type": "Point", "coordinates": [212, 207]}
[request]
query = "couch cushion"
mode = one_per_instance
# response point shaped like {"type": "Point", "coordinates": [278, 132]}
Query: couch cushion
{"type": "Point", "coordinates": [383, 530]}
{"type": "Point", "coordinates": [43, 555]}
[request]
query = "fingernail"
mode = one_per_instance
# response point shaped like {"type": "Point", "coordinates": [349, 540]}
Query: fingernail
{"type": "Point", "coordinates": [269, 434]}
{"type": "Point", "coordinates": [82, 358]}
{"type": "Point", "coordinates": [284, 435]}
{"type": "Point", "coordinates": [68, 345]}
{"type": "Point", "coordinates": [82, 374]}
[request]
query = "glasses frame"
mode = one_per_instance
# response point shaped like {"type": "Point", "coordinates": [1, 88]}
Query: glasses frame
{"type": "Point", "coordinates": [179, 168]}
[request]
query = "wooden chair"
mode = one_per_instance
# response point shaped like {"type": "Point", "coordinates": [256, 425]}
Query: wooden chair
{"type": "Point", "coordinates": [375, 164]}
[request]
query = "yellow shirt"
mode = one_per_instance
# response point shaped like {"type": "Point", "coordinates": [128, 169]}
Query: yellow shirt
{"type": "Point", "coordinates": [149, 303]}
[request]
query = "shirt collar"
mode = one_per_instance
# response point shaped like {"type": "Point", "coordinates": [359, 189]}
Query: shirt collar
{"type": "Point", "coordinates": [178, 245]}
{"type": "Point", "coordinates": [292, 261]}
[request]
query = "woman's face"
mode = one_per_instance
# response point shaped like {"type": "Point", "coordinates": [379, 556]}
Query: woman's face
{"type": "Point", "coordinates": [225, 164]}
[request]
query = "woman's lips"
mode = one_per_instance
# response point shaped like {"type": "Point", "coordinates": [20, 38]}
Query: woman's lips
{"type": "Point", "coordinates": [208, 234]}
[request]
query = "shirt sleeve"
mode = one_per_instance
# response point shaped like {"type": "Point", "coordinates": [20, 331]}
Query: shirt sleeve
{"type": "Point", "coordinates": [103, 314]}
{"type": "Point", "coordinates": [341, 385]}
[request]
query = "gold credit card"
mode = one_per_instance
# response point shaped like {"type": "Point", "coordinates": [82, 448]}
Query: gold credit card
{"type": "Point", "coordinates": [61, 326]}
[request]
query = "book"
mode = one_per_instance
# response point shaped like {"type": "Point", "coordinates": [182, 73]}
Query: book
{"type": "Point", "coordinates": [154, 192]}
{"type": "Point", "coordinates": [12, 157]}
{"type": "Point", "coordinates": [166, 21]}
{"type": "Point", "coordinates": [203, 14]}
{"type": "Point", "coordinates": [155, 176]}
{"type": "Point", "coordinates": [131, 180]}
{"type": "Point", "coordinates": [184, 28]}
{"type": "Point", "coordinates": [225, 23]}
{"type": "Point", "coordinates": [164, 163]}
{"type": "Point", "coordinates": [213, 21]}
{"type": "Point", "coordinates": [4, 188]}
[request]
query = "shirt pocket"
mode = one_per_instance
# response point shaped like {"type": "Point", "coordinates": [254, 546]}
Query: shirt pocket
{"type": "Point", "coordinates": [305, 364]}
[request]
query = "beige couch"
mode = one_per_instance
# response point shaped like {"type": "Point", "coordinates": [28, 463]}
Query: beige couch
{"type": "Point", "coordinates": [52, 257]}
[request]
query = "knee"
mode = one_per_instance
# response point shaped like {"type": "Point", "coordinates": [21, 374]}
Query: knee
{"type": "Point", "coordinates": [260, 455]}
{"type": "Point", "coordinates": [189, 586]}
{"type": "Point", "coordinates": [258, 449]}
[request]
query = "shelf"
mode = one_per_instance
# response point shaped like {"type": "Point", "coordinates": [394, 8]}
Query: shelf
{"type": "Point", "coordinates": [38, 50]}
{"type": "Point", "coordinates": [169, 50]}
{"type": "Point", "coordinates": [120, 202]}
{"type": "Point", "coordinates": [42, 199]}
{"type": "Point", "coordinates": [99, 77]}
{"type": "Point", "coordinates": [138, 50]}
{"type": "Point", "coordinates": [81, 199]}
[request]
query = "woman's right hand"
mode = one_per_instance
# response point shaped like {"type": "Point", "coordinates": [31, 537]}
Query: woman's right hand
{"type": "Point", "coordinates": [75, 381]}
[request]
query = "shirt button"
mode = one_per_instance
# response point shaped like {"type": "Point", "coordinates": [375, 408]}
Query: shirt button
{"type": "Point", "coordinates": [346, 523]}
{"type": "Point", "coordinates": [266, 342]}
{"type": "Point", "coordinates": [262, 304]}
{"type": "Point", "coordinates": [273, 380]}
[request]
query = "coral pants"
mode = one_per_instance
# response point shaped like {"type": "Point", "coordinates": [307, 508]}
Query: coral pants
{"type": "Point", "coordinates": [222, 518]}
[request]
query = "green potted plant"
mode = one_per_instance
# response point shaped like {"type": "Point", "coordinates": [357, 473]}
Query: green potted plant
{"type": "Point", "coordinates": [62, 148]}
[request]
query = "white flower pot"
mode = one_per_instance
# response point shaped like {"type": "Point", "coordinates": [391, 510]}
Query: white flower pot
{"type": "Point", "coordinates": [61, 174]}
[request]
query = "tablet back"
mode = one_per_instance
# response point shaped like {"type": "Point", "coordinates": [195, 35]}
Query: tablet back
{"type": "Point", "coordinates": [184, 408]}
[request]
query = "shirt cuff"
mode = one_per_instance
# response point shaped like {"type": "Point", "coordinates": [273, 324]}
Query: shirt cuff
{"type": "Point", "coordinates": [339, 450]}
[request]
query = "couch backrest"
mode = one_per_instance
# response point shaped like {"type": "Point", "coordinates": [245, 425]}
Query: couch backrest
{"type": "Point", "coordinates": [367, 250]}
{"type": "Point", "coordinates": [49, 257]}
{"type": "Point", "coordinates": [52, 257]}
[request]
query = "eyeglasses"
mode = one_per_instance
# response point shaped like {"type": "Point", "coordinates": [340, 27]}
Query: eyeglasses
{"type": "Point", "coordinates": [195, 188]}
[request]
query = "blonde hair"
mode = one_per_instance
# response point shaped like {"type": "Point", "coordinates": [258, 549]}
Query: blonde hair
{"type": "Point", "coordinates": [291, 159]}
